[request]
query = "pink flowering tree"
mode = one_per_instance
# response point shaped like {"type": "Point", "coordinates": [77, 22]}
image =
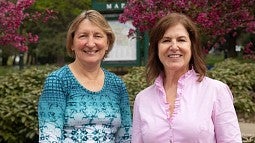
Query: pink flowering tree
{"type": "Point", "coordinates": [13, 17]}
{"type": "Point", "coordinates": [220, 22]}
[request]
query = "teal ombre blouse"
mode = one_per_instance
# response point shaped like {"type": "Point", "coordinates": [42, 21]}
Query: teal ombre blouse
{"type": "Point", "coordinates": [69, 113]}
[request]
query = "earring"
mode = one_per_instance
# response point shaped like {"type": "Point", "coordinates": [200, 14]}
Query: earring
{"type": "Point", "coordinates": [105, 54]}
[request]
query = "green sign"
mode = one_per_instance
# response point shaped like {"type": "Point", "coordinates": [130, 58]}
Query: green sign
{"type": "Point", "coordinates": [108, 6]}
{"type": "Point", "coordinates": [126, 51]}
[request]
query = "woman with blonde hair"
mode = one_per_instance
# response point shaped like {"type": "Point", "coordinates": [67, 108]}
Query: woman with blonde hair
{"type": "Point", "coordinates": [83, 102]}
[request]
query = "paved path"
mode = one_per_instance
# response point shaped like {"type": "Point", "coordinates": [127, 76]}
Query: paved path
{"type": "Point", "coordinates": [247, 128]}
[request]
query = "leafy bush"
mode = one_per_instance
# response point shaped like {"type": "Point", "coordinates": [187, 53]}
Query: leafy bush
{"type": "Point", "coordinates": [240, 77]}
{"type": "Point", "coordinates": [135, 81]}
{"type": "Point", "coordinates": [19, 93]}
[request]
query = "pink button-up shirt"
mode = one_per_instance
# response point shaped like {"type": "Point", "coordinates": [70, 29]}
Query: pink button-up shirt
{"type": "Point", "coordinates": [204, 113]}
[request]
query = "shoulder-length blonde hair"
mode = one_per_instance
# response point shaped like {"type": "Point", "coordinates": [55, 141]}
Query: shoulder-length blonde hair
{"type": "Point", "coordinates": [154, 67]}
{"type": "Point", "coordinates": [96, 18]}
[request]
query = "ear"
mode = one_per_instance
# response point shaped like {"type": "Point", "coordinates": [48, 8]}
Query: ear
{"type": "Point", "coordinates": [72, 48]}
{"type": "Point", "coordinates": [105, 54]}
{"type": "Point", "coordinates": [108, 44]}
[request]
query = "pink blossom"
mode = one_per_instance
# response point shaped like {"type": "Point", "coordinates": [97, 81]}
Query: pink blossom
{"type": "Point", "coordinates": [215, 18]}
{"type": "Point", "coordinates": [12, 17]}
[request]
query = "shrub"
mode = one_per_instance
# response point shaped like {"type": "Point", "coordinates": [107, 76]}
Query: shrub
{"type": "Point", "coordinates": [19, 93]}
{"type": "Point", "coordinates": [135, 81]}
{"type": "Point", "coordinates": [240, 77]}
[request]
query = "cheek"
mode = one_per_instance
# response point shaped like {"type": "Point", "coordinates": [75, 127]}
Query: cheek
{"type": "Point", "coordinates": [162, 50]}
{"type": "Point", "coordinates": [107, 46]}
{"type": "Point", "coordinates": [161, 55]}
{"type": "Point", "coordinates": [104, 45]}
{"type": "Point", "coordinates": [77, 43]}
{"type": "Point", "coordinates": [190, 53]}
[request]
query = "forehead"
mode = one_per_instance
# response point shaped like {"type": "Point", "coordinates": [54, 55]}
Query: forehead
{"type": "Point", "coordinates": [176, 30]}
{"type": "Point", "coordinates": [87, 25]}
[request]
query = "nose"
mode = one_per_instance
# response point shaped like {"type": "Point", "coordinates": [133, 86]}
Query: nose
{"type": "Point", "coordinates": [174, 45]}
{"type": "Point", "coordinates": [90, 42]}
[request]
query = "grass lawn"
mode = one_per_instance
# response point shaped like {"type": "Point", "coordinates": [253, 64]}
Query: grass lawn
{"type": "Point", "coordinates": [213, 58]}
{"type": "Point", "coordinates": [7, 69]}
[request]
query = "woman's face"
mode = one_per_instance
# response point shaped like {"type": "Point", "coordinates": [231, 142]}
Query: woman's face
{"type": "Point", "coordinates": [90, 43]}
{"type": "Point", "coordinates": [174, 49]}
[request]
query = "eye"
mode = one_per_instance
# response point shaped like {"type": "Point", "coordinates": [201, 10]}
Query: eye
{"type": "Point", "coordinates": [165, 40]}
{"type": "Point", "coordinates": [182, 40]}
{"type": "Point", "coordinates": [82, 35]}
{"type": "Point", "coordinates": [99, 36]}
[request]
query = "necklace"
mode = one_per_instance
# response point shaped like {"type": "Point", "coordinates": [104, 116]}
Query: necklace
{"type": "Point", "coordinates": [91, 80]}
{"type": "Point", "coordinates": [94, 77]}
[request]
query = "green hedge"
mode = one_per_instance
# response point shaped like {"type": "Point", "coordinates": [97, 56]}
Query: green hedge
{"type": "Point", "coordinates": [19, 92]}
{"type": "Point", "coordinates": [240, 77]}
{"type": "Point", "coordinates": [135, 81]}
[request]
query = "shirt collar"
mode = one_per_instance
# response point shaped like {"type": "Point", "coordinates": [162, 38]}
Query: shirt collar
{"type": "Point", "coordinates": [159, 80]}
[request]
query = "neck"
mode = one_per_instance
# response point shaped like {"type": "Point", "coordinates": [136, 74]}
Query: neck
{"type": "Point", "coordinates": [90, 73]}
{"type": "Point", "coordinates": [171, 78]}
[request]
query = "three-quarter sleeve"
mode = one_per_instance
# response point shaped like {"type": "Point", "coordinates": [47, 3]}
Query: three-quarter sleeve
{"type": "Point", "coordinates": [225, 120]}
{"type": "Point", "coordinates": [51, 108]}
{"type": "Point", "coordinates": [124, 132]}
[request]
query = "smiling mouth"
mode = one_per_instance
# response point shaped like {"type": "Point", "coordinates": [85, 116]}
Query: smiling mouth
{"type": "Point", "coordinates": [174, 56]}
{"type": "Point", "coordinates": [91, 52]}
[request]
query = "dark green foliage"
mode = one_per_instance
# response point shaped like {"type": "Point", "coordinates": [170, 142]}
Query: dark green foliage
{"type": "Point", "coordinates": [51, 46]}
{"type": "Point", "coordinates": [240, 77]}
{"type": "Point", "coordinates": [135, 81]}
{"type": "Point", "coordinates": [19, 92]}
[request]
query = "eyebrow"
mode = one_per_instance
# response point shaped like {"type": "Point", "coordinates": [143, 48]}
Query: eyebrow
{"type": "Point", "coordinates": [94, 32]}
{"type": "Point", "coordinates": [167, 37]}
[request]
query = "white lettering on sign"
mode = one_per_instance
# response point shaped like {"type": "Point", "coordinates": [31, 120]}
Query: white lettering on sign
{"type": "Point", "coordinates": [115, 6]}
{"type": "Point", "coordinates": [108, 6]}
{"type": "Point", "coordinates": [123, 5]}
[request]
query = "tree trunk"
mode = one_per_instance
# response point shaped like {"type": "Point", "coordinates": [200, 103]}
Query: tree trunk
{"type": "Point", "coordinates": [229, 46]}
{"type": "Point", "coordinates": [4, 59]}
{"type": "Point", "coordinates": [14, 60]}
{"type": "Point", "coordinates": [21, 60]}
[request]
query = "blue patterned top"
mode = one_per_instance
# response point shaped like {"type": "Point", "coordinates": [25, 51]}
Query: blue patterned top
{"type": "Point", "coordinates": [69, 113]}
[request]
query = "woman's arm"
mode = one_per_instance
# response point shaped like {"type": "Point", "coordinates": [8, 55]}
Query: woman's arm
{"type": "Point", "coordinates": [136, 131]}
{"type": "Point", "coordinates": [51, 108]}
{"type": "Point", "coordinates": [224, 117]}
{"type": "Point", "coordinates": [124, 132]}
